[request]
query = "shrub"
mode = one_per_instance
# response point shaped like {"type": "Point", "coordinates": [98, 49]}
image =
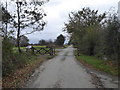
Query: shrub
{"type": "Point", "coordinates": [7, 63]}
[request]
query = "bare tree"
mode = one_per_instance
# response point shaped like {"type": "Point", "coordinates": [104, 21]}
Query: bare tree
{"type": "Point", "coordinates": [6, 18]}
{"type": "Point", "coordinates": [29, 15]}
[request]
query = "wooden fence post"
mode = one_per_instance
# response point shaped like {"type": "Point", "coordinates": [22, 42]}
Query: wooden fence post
{"type": "Point", "coordinates": [54, 50]}
{"type": "Point", "coordinates": [78, 51]}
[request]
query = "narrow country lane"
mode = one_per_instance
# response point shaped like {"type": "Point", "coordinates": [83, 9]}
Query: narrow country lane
{"type": "Point", "coordinates": [61, 72]}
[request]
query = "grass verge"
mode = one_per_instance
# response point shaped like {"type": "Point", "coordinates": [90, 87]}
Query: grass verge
{"type": "Point", "coordinates": [98, 64]}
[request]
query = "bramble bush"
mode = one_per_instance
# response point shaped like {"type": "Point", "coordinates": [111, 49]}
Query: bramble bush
{"type": "Point", "coordinates": [13, 60]}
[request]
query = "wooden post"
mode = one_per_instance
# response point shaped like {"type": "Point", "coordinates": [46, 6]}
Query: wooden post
{"type": "Point", "coordinates": [33, 49]}
{"type": "Point", "coordinates": [78, 51]}
{"type": "Point", "coordinates": [54, 50]}
{"type": "Point", "coordinates": [51, 51]}
{"type": "Point", "coordinates": [26, 49]}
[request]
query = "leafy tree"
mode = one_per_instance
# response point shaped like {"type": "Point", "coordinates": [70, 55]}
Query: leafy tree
{"type": "Point", "coordinates": [84, 26]}
{"type": "Point", "coordinates": [6, 18]}
{"type": "Point", "coordinates": [7, 53]}
{"type": "Point", "coordinates": [6, 45]}
{"type": "Point", "coordinates": [60, 40]}
{"type": "Point", "coordinates": [50, 42]}
{"type": "Point", "coordinates": [29, 14]}
{"type": "Point", "coordinates": [112, 38]}
{"type": "Point", "coordinates": [42, 42]}
{"type": "Point", "coordinates": [45, 42]}
{"type": "Point", "coordinates": [13, 41]}
{"type": "Point", "coordinates": [24, 41]}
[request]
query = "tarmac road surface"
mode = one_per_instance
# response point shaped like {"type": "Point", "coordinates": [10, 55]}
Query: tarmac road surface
{"type": "Point", "coordinates": [63, 71]}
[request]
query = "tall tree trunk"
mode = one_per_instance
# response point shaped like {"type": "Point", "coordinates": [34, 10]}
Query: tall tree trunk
{"type": "Point", "coordinates": [91, 49]}
{"type": "Point", "coordinates": [18, 32]}
{"type": "Point", "coordinates": [6, 30]}
{"type": "Point", "coordinates": [6, 24]}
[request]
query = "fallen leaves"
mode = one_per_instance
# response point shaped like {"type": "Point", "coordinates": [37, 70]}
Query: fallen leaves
{"type": "Point", "coordinates": [17, 78]}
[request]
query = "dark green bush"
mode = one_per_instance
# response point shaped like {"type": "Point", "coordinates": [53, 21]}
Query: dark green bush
{"type": "Point", "coordinates": [7, 62]}
{"type": "Point", "coordinates": [13, 60]}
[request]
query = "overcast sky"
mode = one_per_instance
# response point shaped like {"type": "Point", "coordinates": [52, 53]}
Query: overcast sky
{"type": "Point", "coordinates": [57, 13]}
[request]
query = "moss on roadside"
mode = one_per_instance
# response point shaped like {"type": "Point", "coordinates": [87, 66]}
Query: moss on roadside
{"type": "Point", "coordinates": [98, 64]}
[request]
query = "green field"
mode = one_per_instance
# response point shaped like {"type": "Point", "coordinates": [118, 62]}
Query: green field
{"type": "Point", "coordinates": [24, 48]}
{"type": "Point", "coordinates": [98, 64]}
{"type": "Point", "coordinates": [20, 66]}
{"type": "Point", "coordinates": [33, 46]}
